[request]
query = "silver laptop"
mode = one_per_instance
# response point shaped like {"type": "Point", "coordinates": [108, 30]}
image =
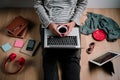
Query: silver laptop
{"type": "Point", "coordinates": [72, 41]}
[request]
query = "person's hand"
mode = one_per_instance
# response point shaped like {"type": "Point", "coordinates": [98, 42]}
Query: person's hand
{"type": "Point", "coordinates": [53, 28]}
{"type": "Point", "coordinates": [70, 26]}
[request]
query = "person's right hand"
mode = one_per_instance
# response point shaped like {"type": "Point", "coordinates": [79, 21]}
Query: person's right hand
{"type": "Point", "coordinates": [53, 28]}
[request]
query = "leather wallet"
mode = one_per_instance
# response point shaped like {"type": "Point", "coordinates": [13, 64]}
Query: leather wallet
{"type": "Point", "coordinates": [17, 27]}
{"type": "Point", "coordinates": [21, 35]}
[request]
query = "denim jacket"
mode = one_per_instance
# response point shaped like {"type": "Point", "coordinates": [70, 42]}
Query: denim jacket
{"type": "Point", "coordinates": [59, 11]}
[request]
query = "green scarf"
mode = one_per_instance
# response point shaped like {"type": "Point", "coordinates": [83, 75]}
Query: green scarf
{"type": "Point", "coordinates": [98, 21]}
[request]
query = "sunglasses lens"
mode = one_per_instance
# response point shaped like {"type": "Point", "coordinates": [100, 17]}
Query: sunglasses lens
{"type": "Point", "coordinates": [89, 49]}
{"type": "Point", "coordinates": [92, 43]}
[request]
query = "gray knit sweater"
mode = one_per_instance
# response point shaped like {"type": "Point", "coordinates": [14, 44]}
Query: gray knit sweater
{"type": "Point", "coordinates": [59, 11]}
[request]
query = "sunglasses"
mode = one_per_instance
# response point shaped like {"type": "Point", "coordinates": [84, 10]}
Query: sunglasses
{"type": "Point", "coordinates": [91, 47]}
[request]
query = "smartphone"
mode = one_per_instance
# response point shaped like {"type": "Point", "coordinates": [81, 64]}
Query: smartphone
{"type": "Point", "coordinates": [30, 45]}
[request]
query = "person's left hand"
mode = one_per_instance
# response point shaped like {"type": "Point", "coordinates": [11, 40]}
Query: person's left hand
{"type": "Point", "coordinates": [70, 26]}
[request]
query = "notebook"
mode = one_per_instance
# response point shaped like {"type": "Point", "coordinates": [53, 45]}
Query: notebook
{"type": "Point", "coordinates": [6, 47]}
{"type": "Point", "coordinates": [72, 41]}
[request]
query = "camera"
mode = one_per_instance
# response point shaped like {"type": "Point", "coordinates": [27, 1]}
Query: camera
{"type": "Point", "coordinates": [62, 28]}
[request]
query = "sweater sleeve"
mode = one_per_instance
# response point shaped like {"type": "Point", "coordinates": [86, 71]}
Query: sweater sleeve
{"type": "Point", "coordinates": [80, 7]}
{"type": "Point", "coordinates": [38, 5]}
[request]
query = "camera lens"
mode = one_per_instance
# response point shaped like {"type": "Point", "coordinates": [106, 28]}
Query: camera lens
{"type": "Point", "coordinates": [62, 29]}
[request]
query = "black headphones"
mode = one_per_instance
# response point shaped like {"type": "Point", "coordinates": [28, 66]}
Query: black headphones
{"type": "Point", "coordinates": [12, 57]}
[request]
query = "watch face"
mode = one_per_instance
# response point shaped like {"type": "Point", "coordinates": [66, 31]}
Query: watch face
{"type": "Point", "coordinates": [99, 35]}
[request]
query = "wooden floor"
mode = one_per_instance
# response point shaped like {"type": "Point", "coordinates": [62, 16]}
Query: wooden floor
{"type": "Point", "coordinates": [33, 68]}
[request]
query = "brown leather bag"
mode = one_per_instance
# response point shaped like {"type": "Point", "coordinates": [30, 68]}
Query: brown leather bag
{"type": "Point", "coordinates": [18, 27]}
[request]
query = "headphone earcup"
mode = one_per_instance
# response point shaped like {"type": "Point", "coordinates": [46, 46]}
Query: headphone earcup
{"type": "Point", "coordinates": [12, 56]}
{"type": "Point", "coordinates": [21, 61]}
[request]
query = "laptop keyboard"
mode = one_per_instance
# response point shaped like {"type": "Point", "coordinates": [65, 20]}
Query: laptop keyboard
{"type": "Point", "coordinates": [57, 40]}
